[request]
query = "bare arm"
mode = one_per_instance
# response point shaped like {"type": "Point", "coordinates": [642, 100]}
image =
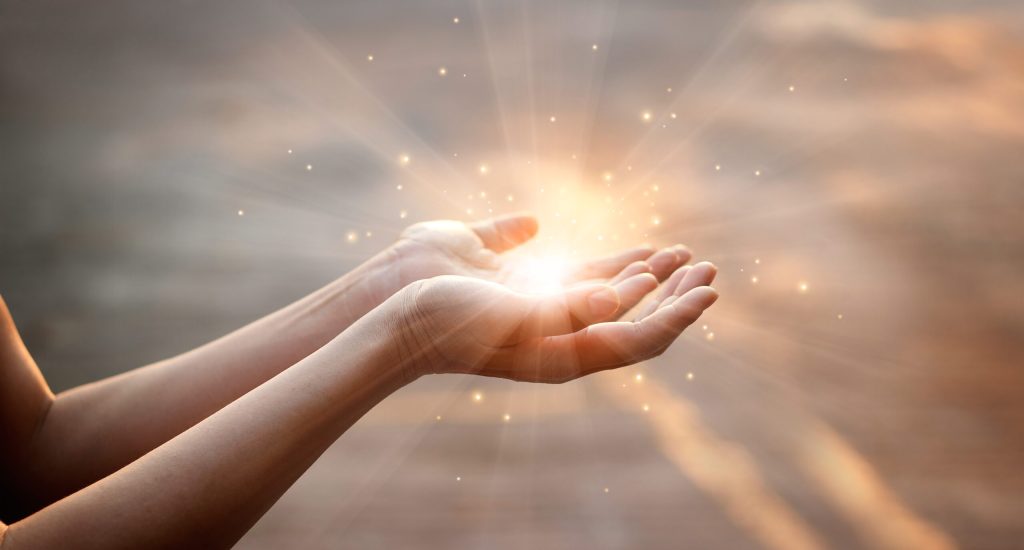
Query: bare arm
{"type": "Point", "coordinates": [208, 485]}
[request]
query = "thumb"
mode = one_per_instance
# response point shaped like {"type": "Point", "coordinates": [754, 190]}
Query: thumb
{"type": "Point", "coordinates": [505, 232]}
{"type": "Point", "coordinates": [567, 312]}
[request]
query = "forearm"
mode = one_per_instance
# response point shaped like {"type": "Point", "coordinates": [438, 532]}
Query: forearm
{"type": "Point", "coordinates": [96, 429]}
{"type": "Point", "coordinates": [209, 484]}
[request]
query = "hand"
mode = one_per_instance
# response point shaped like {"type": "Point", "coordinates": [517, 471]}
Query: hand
{"type": "Point", "coordinates": [465, 325]}
{"type": "Point", "coordinates": [434, 248]}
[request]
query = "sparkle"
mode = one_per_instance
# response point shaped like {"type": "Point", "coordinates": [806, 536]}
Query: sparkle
{"type": "Point", "coordinates": [403, 214]}
{"type": "Point", "coordinates": [792, 88]}
{"type": "Point", "coordinates": [646, 116]}
{"type": "Point", "coordinates": [455, 20]}
{"type": "Point", "coordinates": [369, 234]}
{"type": "Point", "coordinates": [639, 378]}
{"type": "Point", "coordinates": [605, 489]}
{"type": "Point", "coordinates": [507, 417]}
{"type": "Point", "coordinates": [404, 160]}
{"type": "Point", "coordinates": [593, 47]}
{"type": "Point", "coordinates": [551, 119]}
{"type": "Point", "coordinates": [510, 198]}
{"type": "Point", "coordinates": [646, 407]}
{"type": "Point", "coordinates": [689, 376]}
{"type": "Point", "coordinates": [399, 187]}
{"type": "Point", "coordinates": [241, 212]}
{"type": "Point", "coordinates": [757, 260]}
{"type": "Point", "coordinates": [438, 418]}
{"type": "Point", "coordinates": [757, 172]}
{"type": "Point", "coordinates": [673, 115]}
{"type": "Point", "coordinates": [607, 176]}
{"type": "Point", "coordinates": [369, 57]}
{"type": "Point", "coordinates": [289, 151]}
{"type": "Point", "coordinates": [442, 71]}
{"type": "Point", "coordinates": [478, 397]}
{"type": "Point", "coordinates": [309, 167]}
{"type": "Point", "coordinates": [710, 336]}
{"type": "Point", "coordinates": [458, 478]}
{"type": "Point", "coordinates": [754, 279]}
{"type": "Point", "coordinates": [803, 287]}
{"type": "Point", "coordinates": [839, 316]}
{"type": "Point", "coordinates": [484, 169]}
{"type": "Point", "coordinates": [352, 236]}
{"type": "Point", "coordinates": [656, 220]}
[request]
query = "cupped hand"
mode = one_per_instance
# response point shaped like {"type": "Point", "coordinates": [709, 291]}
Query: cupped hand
{"type": "Point", "coordinates": [467, 325]}
{"type": "Point", "coordinates": [446, 247]}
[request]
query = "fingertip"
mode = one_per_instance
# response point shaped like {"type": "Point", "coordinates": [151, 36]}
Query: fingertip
{"type": "Point", "coordinates": [603, 301]}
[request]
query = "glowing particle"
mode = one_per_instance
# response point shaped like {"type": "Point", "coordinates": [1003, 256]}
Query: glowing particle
{"type": "Point", "coordinates": [757, 260]}
{"type": "Point", "coordinates": [689, 376]}
{"type": "Point", "coordinates": [709, 336]}
{"type": "Point", "coordinates": [656, 220]}
{"type": "Point", "coordinates": [484, 169]}
{"type": "Point", "coordinates": [478, 397]}
{"type": "Point", "coordinates": [458, 478]}
{"type": "Point", "coordinates": [803, 287]}
{"type": "Point", "coordinates": [402, 214]}
{"type": "Point", "coordinates": [552, 119]}
{"type": "Point", "coordinates": [718, 167]}
{"type": "Point", "coordinates": [369, 57]}
{"type": "Point", "coordinates": [673, 115]}
{"type": "Point", "coordinates": [507, 417]}
{"type": "Point", "coordinates": [639, 378]}
{"type": "Point", "coordinates": [289, 151]}
{"type": "Point", "coordinates": [369, 234]}
{"type": "Point", "coordinates": [241, 212]}
{"type": "Point", "coordinates": [455, 20]}
{"type": "Point", "coordinates": [646, 407]}
{"type": "Point", "coordinates": [442, 71]}
{"type": "Point", "coordinates": [510, 198]}
{"type": "Point", "coordinates": [399, 187]}
{"type": "Point", "coordinates": [605, 489]}
{"type": "Point", "coordinates": [404, 159]}
{"type": "Point", "coordinates": [704, 327]}
{"type": "Point", "coordinates": [646, 116]}
{"type": "Point", "coordinates": [839, 316]}
{"type": "Point", "coordinates": [792, 88]}
{"type": "Point", "coordinates": [757, 172]}
{"type": "Point", "coordinates": [669, 90]}
{"type": "Point", "coordinates": [352, 236]}
{"type": "Point", "coordinates": [309, 167]}
{"type": "Point", "coordinates": [593, 47]}
{"type": "Point", "coordinates": [438, 418]}
{"type": "Point", "coordinates": [754, 279]}
{"type": "Point", "coordinates": [656, 188]}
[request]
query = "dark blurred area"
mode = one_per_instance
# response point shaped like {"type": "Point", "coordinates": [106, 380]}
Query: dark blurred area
{"type": "Point", "coordinates": [172, 170]}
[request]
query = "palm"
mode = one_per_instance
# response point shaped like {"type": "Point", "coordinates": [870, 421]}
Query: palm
{"type": "Point", "coordinates": [446, 247]}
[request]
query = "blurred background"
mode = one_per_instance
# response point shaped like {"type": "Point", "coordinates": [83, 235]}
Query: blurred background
{"type": "Point", "coordinates": [170, 171]}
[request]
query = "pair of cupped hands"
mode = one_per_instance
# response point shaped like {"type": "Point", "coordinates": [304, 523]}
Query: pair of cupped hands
{"type": "Point", "coordinates": [455, 314]}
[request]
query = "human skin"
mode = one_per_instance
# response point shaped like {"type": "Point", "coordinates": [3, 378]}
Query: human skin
{"type": "Point", "coordinates": [206, 486]}
{"type": "Point", "coordinates": [58, 444]}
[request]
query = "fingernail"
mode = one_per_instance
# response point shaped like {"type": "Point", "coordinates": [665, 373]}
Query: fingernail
{"type": "Point", "coordinates": [603, 302]}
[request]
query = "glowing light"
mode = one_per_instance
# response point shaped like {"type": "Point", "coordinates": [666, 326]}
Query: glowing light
{"type": "Point", "coordinates": [605, 489]}
{"type": "Point", "coordinates": [754, 279]}
{"type": "Point", "coordinates": [241, 212]}
{"type": "Point", "coordinates": [689, 376]}
{"type": "Point", "coordinates": [478, 397]}
{"type": "Point", "coordinates": [757, 260]}
{"type": "Point", "coordinates": [646, 116]}
{"type": "Point", "coordinates": [552, 119]}
{"type": "Point", "coordinates": [792, 88]}
{"type": "Point", "coordinates": [639, 378]}
{"type": "Point", "coordinates": [507, 417]}
{"type": "Point", "coordinates": [484, 169]}
{"type": "Point", "coordinates": [289, 151]}
{"type": "Point", "coordinates": [352, 236]}
{"type": "Point", "coordinates": [710, 336]}
{"type": "Point", "coordinates": [803, 287]}
{"type": "Point", "coordinates": [369, 234]}
{"type": "Point", "coordinates": [757, 172]}
{"type": "Point", "coordinates": [539, 275]}
{"type": "Point", "coordinates": [369, 57]}
{"type": "Point", "coordinates": [646, 407]}
{"type": "Point", "coordinates": [593, 47]}
{"type": "Point", "coordinates": [839, 316]}
{"type": "Point", "coordinates": [656, 220]}
{"type": "Point", "coordinates": [399, 187]}
{"type": "Point", "coordinates": [442, 71]}
{"type": "Point", "coordinates": [458, 478]}
{"type": "Point", "coordinates": [438, 418]}
{"type": "Point", "coordinates": [673, 115]}
{"type": "Point", "coordinates": [402, 214]}
{"type": "Point", "coordinates": [455, 20]}
{"type": "Point", "coordinates": [510, 198]}
{"type": "Point", "coordinates": [404, 159]}
{"type": "Point", "coordinates": [718, 167]}
{"type": "Point", "coordinates": [608, 176]}
{"type": "Point", "coordinates": [309, 167]}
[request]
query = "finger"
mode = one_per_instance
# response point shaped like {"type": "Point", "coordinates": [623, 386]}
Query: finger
{"type": "Point", "coordinates": [566, 312]}
{"type": "Point", "coordinates": [701, 274]}
{"type": "Point", "coordinates": [632, 290]}
{"type": "Point", "coordinates": [601, 346]}
{"type": "Point", "coordinates": [667, 260]}
{"type": "Point", "coordinates": [608, 266]}
{"type": "Point", "coordinates": [667, 289]}
{"type": "Point", "coordinates": [630, 270]}
{"type": "Point", "coordinates": [505, 232]}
